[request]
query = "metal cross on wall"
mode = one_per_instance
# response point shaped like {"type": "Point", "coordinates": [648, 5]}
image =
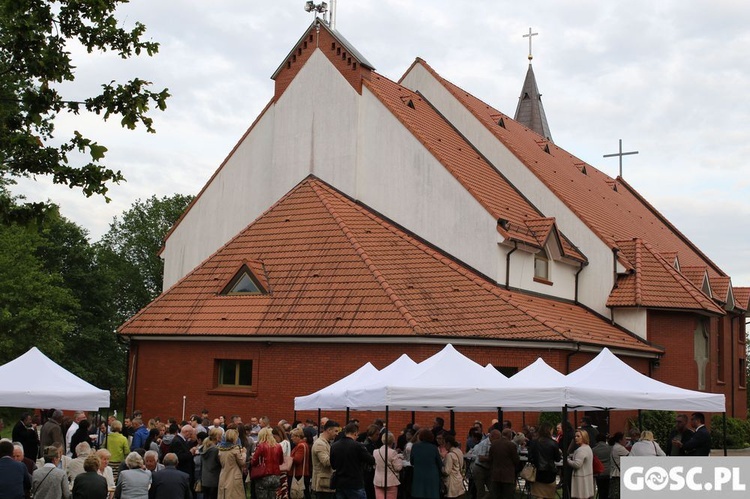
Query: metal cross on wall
{"type": "Point", "coordinates": [529, 37]}
{"type": "Point", "coordinates": [620, 154]}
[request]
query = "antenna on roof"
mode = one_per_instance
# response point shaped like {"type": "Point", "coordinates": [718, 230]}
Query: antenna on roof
{"type": "Point", "coordinates": [318, 8]}
{"type": "Point", "coordinates": [529, 37]}
{"type": "Point", "coordinates": [620, 154]}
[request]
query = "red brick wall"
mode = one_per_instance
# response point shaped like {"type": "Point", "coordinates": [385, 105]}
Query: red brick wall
{"type": "Point", "coordinates": [166, 371]}
{"type": "Point", "coordinates": [674, 331]}
{"type": "Point", "coordinates": [350, 69]}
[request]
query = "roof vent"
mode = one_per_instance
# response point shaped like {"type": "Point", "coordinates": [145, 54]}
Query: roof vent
{"type": "Point", "coordinates": [410, 104]}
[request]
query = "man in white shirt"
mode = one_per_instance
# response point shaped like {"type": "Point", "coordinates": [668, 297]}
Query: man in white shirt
{"type": "Point", "coordinates": [78, 416]}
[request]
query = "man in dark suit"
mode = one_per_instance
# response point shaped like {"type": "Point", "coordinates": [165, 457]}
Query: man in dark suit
{"type": "Point", "coordinates": [700, 443]}
{"type": "Point", "coordinates": [184, 448]}
{"type": "Point", "coordinates": [504, 464]}
{"type": "Point", "coordinates": [14, 479]}
{"type": "Point", "coordinates": [170, 483]}
{"type": "Point", "coordinates": [25, 433]}
{"type": "Point", "coordinates": [89, 484]}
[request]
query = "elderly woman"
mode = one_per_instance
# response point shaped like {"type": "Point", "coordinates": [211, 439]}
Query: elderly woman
{"type": "Point", "coordinates": [269, 455]}
{"type": "Point", "coordinates": [232, 459]}
{"type": "Point", "coordinates": [388, 462]}
{"type": "Point", "coordinates": [133, 483]}
{"type": "Point", "coordinates": [117, 445]}
{"type": "Point", "coordinates": [582, 462]}
{"type": "Point", "coordinates": [89, 485]}
{"type": "Point", "coordinates": [105, 470]}
{"type": "Point", "coordinates": [646, 446]}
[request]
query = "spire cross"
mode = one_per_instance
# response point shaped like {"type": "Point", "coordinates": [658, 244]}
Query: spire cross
{"type": "Point", "coordinates": [620, 154]}
{"type": "Point", "coordinates": [529, 37]}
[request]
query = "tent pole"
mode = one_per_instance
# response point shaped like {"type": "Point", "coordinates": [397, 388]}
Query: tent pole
{"type": "Point", "coordinates": [564, 449]}
{"type": "Point", "coordinates": [295, 416]}
{"type": "Point", "coordinates": [523, 419]}
{"type": "Point", "coordinates": [347, 416]}
{"type": "Point", "coordinates": [413, 417]}
{"type": "Point", "coordinates": [319, 428]}
{"type": "Point", "coordinates": [385, 475]}
{"type": "Point", "coordinates": [453, 421]}
{"type": "Point", "coordinates": [640, 420]}
{"type": "Point", "coordinates": [500, 416]}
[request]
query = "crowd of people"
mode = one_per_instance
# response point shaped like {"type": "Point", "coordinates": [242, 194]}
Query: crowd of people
{"type": "Point", "coordinates": [225, 458]}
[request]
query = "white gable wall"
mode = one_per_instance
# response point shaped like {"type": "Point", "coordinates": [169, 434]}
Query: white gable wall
{"type": "Point", "coordinates": [310, 129]}
{"type": "Point", "coordinates": [322, 126]}
{"type": "Point", "coordinates": [401, 179]}
{"type": "Point", "coordinates": [596, 280]}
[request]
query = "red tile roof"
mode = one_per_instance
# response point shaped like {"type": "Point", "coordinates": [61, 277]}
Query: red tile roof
{"type": "Point", "coordinates": [742, 297]}
{"type": "Point", "coordinates": [720, 288]}
{"type": "Point", "coordinates": [335, 268]}
{"type": "Point", "coordinates": [488, 186]}
{"type": "Point", "coordinates": [655, 283]}
{"type": "Point", "coordinates": [696, 275]}
{"type": "Point", "coordinates": [610, 207]}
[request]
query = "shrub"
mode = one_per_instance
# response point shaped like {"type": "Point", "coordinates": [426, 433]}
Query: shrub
{"type": "Point", "coordinates": [737, 436]}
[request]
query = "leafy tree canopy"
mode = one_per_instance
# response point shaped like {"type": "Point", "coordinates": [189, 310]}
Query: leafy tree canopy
{"type": "Point", "coordinates": [35, 62]}
{"type": "Point", "coordinates": [131, 247]}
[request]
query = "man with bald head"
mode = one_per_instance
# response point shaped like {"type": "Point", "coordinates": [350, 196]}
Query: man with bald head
{"type": "Point", "coordinates": [170, 483]}
{"type": "Point", "coordinates": [184, 447]}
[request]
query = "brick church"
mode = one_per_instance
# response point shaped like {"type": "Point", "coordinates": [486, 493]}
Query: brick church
{"type": "Point", "coordinates": [360, 218]}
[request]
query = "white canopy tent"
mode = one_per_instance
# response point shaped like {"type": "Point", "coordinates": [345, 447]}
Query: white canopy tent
{"type": "Point", "coordinates": [451, 381]}
{"type": "Point", "coordinates": [332, 396]}
{"type": "Point", "coordinates": [33, 380]}
{"type": "Point", "coordinates": [606, 382]}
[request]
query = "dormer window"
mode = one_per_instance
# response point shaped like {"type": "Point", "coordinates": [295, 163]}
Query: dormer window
{"type": "Point", "coordinates": [244, 282]}
{"type": "Point", "coordinates": [541, 266]}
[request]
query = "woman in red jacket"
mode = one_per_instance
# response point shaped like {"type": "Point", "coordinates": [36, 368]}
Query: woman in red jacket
{"type": "Point", "coordinates": [265, 465]}
{"type": "Point", "coordinates": [301, 463]}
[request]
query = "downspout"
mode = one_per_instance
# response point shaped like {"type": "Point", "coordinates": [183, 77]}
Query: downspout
{"type": "Point", "coordinates": [567, 360]}
{"type": "Point", "coordinates": [123, 341]}
{"type": "Point", "coordinates": [731, 340]}
{"type": "Point", "coordinates": [578, 272]}
{"type": "Point", "coordinates": [614, 281]}
{"type": "Point", "coordinates": [507, 264]}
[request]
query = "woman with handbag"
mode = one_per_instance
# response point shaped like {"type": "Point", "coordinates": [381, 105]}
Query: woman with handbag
{"type": "Point", "coordinates": [301, 466]}
{"type": "Point", "coordinates": [232, 459]}
{"type": "Point", "coordinates": [544, 454]}
{"type": "Point", "coordinates": [388, 463]}
{"type": "Point", "coordinates": [265, 464]}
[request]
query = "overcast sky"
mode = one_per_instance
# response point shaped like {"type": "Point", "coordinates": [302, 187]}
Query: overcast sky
{"type": "Point", "coordinates": [670, 78]}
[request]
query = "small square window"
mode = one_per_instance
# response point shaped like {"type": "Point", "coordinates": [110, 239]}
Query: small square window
{"type": "Point", "coordinates": [237, 373]}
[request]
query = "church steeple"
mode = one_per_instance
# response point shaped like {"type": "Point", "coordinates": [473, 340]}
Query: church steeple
{"type": "Point", "coordinates": [530, 111]}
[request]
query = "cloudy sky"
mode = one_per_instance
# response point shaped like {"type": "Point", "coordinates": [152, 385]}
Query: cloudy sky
{"type": "Point", "coordinates": [669, 78]}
